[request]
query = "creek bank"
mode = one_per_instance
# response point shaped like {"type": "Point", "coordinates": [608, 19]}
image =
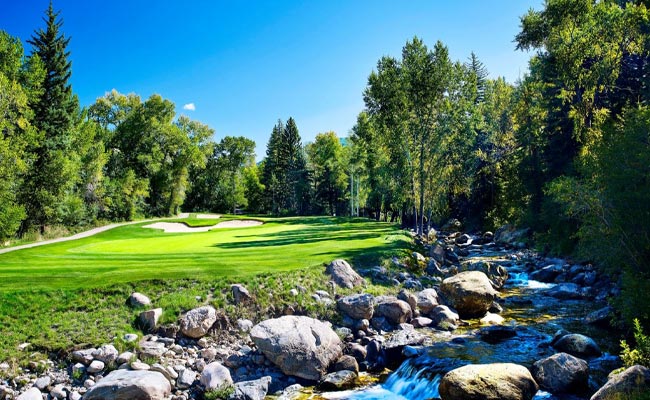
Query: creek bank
{"type": "Point", "coordinates": [419, 332]}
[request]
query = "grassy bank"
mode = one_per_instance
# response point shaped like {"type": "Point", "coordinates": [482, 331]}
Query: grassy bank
{"type": "Point", "coordinates": [73, 294]}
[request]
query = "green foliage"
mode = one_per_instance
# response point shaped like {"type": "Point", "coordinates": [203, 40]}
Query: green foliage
{"type": "Point", "coordinates": [223, 392]}
{"type": "Point", "coordinates": [330, 180]}
{"type": "Point", "coordinates": [640, 354]}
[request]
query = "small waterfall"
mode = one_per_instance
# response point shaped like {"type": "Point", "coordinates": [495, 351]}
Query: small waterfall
{"type": "Point", "coordinates": [520, 279]}
{"type": "Point", "coordinates": [406, 383]}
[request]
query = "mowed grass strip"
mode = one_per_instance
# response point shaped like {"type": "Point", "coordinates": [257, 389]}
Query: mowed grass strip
{"type": "Point", "coordinates": [133, 253]}
{"type": "Point", "coordinates": [72, 294]}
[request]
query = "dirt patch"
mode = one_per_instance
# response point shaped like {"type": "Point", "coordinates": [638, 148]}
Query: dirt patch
{"type": "Point", "coordinates": [176, 227]}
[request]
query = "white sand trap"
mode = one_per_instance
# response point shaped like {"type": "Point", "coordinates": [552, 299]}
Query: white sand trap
{"type": "Point", "coordinates": [208, 216]}
{"type": "Point", "coordinates": [176, 227]}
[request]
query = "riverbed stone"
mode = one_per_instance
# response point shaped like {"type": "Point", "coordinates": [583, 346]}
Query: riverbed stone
{"type": "Point", "coordinates": [565, 291]}
{"type": "Point", "coordinates": [488, 382]}
{"type": "Point", "coordinates": [469, 292]}
{"type": "Point", "coordinates": [444, 318]}
{"type": "Point", "coordinates": [215, 375]}
{"type": "Point", "coordinates": [632, 382]}
{"type": "Point", "coordinates": [578, 345]}
{"type": "Point", "coordinates": [343, 274]}
{"type": "Point", "coordinates": [31, 394]}
{"type": "Point", "coordinates": [427, 299]}
{"type": "Point", "coordinates": [562, 373]}
{"type": "Point", "coordinates": [339, 380]}
{"type": "Point", "coordinates": [134, 385]}
{"type": "Point", "coordinates": [394, 310]}
{"type": "Point", "coordinates": [346, 362]}
{"type": "Point", "coordinates": [357, 306]}
{"type": "Point", "coordinates": [300, 346]}
{"type": "Point", "coordinates": [251, 390]}
{"type": "Point", "coordinates": [497, 274]}
{"type": "Point", "coordinates": [197, 322]}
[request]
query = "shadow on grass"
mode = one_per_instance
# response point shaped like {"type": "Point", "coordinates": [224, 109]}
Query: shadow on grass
{"type": "Point", "coordinates": [299, 238]}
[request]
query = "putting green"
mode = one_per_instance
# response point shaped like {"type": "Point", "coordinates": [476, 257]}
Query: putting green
{"type": "Point", "coordinates": [131, 253]}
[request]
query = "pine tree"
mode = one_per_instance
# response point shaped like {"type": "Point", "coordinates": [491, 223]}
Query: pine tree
{"type": "Point", "coordinates": [55, 169]}
{"type": "Point", "coordinates": [477, 68]}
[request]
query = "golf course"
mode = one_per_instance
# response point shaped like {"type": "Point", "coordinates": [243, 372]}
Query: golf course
{"type": "Point", "coordinates": [58, 295]}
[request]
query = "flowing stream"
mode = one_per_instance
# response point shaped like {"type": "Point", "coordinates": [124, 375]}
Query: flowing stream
{"type": "Point", "coordinates": [535, 316]}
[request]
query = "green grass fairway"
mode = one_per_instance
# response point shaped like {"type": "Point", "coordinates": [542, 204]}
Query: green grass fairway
{"type": "Point", "coordinates": [132, 253]}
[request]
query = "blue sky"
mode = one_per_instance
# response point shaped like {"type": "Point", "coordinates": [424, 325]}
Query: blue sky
{"type": "Point", "coordinates": [244, 64]}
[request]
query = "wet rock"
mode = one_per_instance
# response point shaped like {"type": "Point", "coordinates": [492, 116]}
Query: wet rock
{"type": "Point", "coordinates": [197, 322]}
{"type": "Point", "coordinates": [562, 373]}
{"type": "Point", "coordinates": [346, 363]}
{"type": "Point", "coordinates": [343, 274]}
{"type": "Point", "coordinates": [497, 333]}
{"type": "Point", "coordinates": [251, 390]}
{"type": "Point", "coordinates": [546, 274]}
{"type": "Point", "coordinates": [299, 346]}
{"type": "Point", "coordinates": [463, 239]}
{"type": "Point", "coordinates": [138, 300]}
{"type": "Point", "coordinates": [240, 294]}
{"type": "Point", "coordinates": [437, 252]}
{"type": "Point", "coordinates": [443, 318]}
{"type": "Point", "coordinates": [357, 351]}
{"type": "Point", "coordinates": [492, 319]}
{"type": "Point", "coordinates": [149, 319]}
{"type": "Point", "coordinates": [578, 345]}
{"type": "Point", "coordinates": [215, 375]}
{"type": "Point", "coordinates": [394, 310]}
{"type": "Point", "coordinates": [469, 292]}
{"type": "Point", "coordinates": [339, 380]}
{"type": "Point", "coordinates": [134, 385]}
{"type": "Point", "coordinates": [566, 291]}
{"type": "Point", "coordinates": [488, 382]}
{"type": "Point", "coordinates": [629, 384]}
{"type": "Point", "coordinates": [410, 298]}
{"type": "Point", "coordinates": [357, 306]}
{"type": "Point", "coordinates": [421, 322]}
{"type": "Point", "coordinates": [601, 317]}
{"type": "Point", "coordinates": [392, 348]}
{"type": "Point", "coordinates": [427, 300]}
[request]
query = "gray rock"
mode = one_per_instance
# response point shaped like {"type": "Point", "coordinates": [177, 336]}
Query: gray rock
{"type": "Point", "coordinates": [197, 322]}
{"type": "Point", "coordinates": [299, 346]}
{"type": "Point", "coordinates": [629, 384]}
{"type": "Point", "coordinates": [140, 366]}
{"type": "Point", "coordinates": [421, 322]}
{"type": "Point", "coordinates": [357, 306]}
{"type": "Point", "coordinates": [251, 390]}
{"type": "Point", "coordinates": [601, 317]}
{"type": "Point", "coordinates": [185, 379]}
{"type": "Point", "coordinates": [348, 363]}
{"type": "Point", "coordinates": [244, 325]}
{"type": "Point", "coordinates": [343, 274]}
{"type": "Point", "coordinates": [469, 292]}
{"type": "Point", "coordinates": [43, 382]}
{"type": "Point", "coordinates": [339, 380]}
{"type": "Point", "coordinates": [134, 385]}
{"type": "Point", "coordinates": [565, 291]}
{"type": "Point", "coordinates": [138, 300]}
{"type": "Point", "coordinates": [427, 300]}
{"type": "Point", "coordinates": [150, 350]}
{"type": "Point", "coordinates": [443, 318]}
{"type": "Point", "coordinates": [241, 294]}
{"type": "Point", "coordinates": [546, 274]}
{"type": "Point", "coordinates": [437, 252]}
{"type": "Point", "coordinates": [95, 367]}
{"type": "Point", "coordinates": [149, 319]}
{"type": "Point", "coordinates": [561, 373]}
{"type": "Point", "coordinates": [497, 333]}
{"type": "Point", "coordinates": [130, 337]}
{"type": "Point", "coordinates": [124, 357]}
{"type": "Point", "coordinates": [578, 345]}
{"type": "Point", "coordinates": [106, 353]}
{"type": "Point", "coordinates": [497, 274]}
{"type": "Point", "coordinates": [292, 392]}
{"type": "Point", "coordinates": [31, 394]}
{"type": "Point", "coordinates": [59, 392]}
{"type": "Point", "coordinates": [488, 382]}
{"type": "Point", "coordinates": [394, 310]}
{"type": "Point", "coordinates": [215, 375]}
{"type": "Point", "coordinates": [83, 356]}
{"type": "Point", "coordinates": [410, 298]}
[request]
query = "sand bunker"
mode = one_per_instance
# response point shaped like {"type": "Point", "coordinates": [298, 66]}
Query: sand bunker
{"type": "Point", "coordinates": [208, 216]}
{"type": "Point", "coordinates": [176, 227]}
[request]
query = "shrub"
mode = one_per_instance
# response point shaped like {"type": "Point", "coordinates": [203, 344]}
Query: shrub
{"type": "Point", "coordinates": [639, 355]}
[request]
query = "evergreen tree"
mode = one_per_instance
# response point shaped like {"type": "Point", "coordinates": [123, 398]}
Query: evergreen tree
{"type": "Point", "coordinates": [477, 68]}
{"type": "Point", "coordinates": [55, 169]}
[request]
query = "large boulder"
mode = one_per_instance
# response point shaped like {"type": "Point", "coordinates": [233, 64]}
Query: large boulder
{"type": "Point", "coordinates": [488, 382]}
{"type": "Point", "coordinates": [215, 375]}
{"type": "Point", "coordinates": [357, 306]}
{"type": "Point", "coordinates": [299, 346]}
{"type": "Point", "coordinates": [427, 299]}
{"type": "Point", "coordinates": [629, 384]}
{"type": "Point", "coordinates": [343, 274]}
{"type": "Point", "coordinates": [469, 292]}
{"type": "Point", "coordinates": [497, 274]}
{"type": "Point", "coordinates": [134, 385]}
{"type": "Point", "coordinates": [197, 322]}
{"type": "Point", "coordinates": [339, 380]}
{"type": "Point", "coordinates": [578, 345]}
{"type": "Point", "coordinates": [562, 373]}
{"type": "Point", "coordinates": [394, 310]}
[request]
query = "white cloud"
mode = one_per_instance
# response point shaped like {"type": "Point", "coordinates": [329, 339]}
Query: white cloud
{"type": "Point", "coordinates": [189, 107]}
